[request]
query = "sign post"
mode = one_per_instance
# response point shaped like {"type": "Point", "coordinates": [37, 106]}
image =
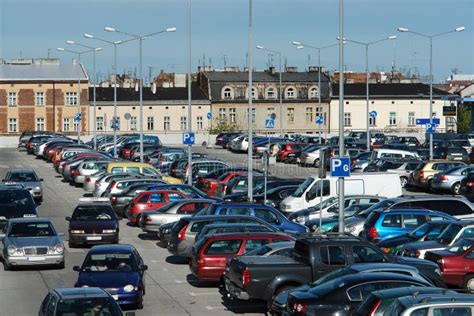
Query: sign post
{"type": "Point", "coordinates": [209, 118]}
{"type": "Point", "coordinates": [322, 176]}
{"type": "Point", "coordinates": [319, 122]}
{"type": "Point", "coordinates": [265, 176]}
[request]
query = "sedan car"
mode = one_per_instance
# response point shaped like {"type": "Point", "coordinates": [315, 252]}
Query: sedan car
{"type": "Point", "coordinates": [450, 180]}
{"type": "Point", "coordinates": [31, 242]}
{"type": "Point", "coordinates": [119, 269]}
{"type": "Point", "coordinates": [29, 179]}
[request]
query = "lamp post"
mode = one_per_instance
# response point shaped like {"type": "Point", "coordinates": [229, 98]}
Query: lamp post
{"type": "Point", "coordinates": [190, 122]}
{"type": "Point", "coordinates": [250, 112]}
{"type": "Point", "coordinates": [280, 85]}
{"type": "Point", "coordinates": [93, 49]}
{"type": "Point", "coordinates": [78, 84]}
{"type": "Point", "coordinates": [140, 39]}
{"type": "Point", "coordinates": [430, 37]}
{"type": "Point", "coordinates": [300, 45]}
{"type": "Point", "coordinates": [367, 115]}
{"type": "Point", "coordinates": [115, 43]}
{"type": "Point", "coordinates": [341, 115]}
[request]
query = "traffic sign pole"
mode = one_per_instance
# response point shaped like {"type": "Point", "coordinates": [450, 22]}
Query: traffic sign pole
{"type": "Point", "coordinates": [209, 117]}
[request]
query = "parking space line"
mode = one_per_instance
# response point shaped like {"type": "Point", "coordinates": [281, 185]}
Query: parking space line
{"type": "Point", "coordinates": [210, 308]}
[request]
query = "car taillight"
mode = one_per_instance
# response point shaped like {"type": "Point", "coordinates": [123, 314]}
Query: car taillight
{"type": "Point", "coordinates": [373, 233]}
{"type": "Point", "coordinates": [299, 307]}
{"type": "Point", "coordinates": [470, 184]}
{"type": "Point", "coordinates": [245, 277]}
{"type": "Point", "coordinates": [148, 219]}
{"type": "Point", "coordinates": [114, 199]}
{"type": "Point", "coordinates": [331, 153]}
{"type": "Point", "coordinates": [113, 185]}
{"type": "Point", "coordinates": [422, 175]}
{"type": "Point", "coordinates": [440, 263]}
{"type": "Point", "coordinates": [443, 178]}
{"type": "Point", "coordinates": [88, 180]}
{"type": "Point", "coordinates": [374, 308]}
{"type": "Point", "coordinates": [75, 172]}
{"type": "Point", "coordinates": [182, 233]}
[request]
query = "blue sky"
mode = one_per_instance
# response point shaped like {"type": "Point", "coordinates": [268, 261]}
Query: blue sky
{"type": "Point", "coordinates": [31, 27]}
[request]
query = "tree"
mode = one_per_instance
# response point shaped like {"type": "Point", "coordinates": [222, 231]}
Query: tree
{"type": "Point", "coordinates": [464, 118]}
{"type": "Point", "coordinates": [223, 125]}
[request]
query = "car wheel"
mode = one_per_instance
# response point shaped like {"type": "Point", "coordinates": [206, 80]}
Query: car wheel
{"type": "Point", "coordinates": [468, 283]}
{"type": "Point", "coordinates": [430, 185]}
{"type": "Point", "coordinates": [6, 266]}
{"type": "Point", "coordinates": [278, 291]}
{"type": "Point", "coordinates": [403, 182]}
{"type": "Point", "coordinates": [456, 188]}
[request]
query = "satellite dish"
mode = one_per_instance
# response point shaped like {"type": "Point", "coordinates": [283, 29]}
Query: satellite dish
{"type": "Point", "coordinates": [127, 116]}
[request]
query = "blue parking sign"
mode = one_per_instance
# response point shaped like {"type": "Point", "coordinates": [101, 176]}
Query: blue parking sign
{"type": "Point", "coordinates": [188, 138]}
{"type": "Point", "coordinates": [340, 167]}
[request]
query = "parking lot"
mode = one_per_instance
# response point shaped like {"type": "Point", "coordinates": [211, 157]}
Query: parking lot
{"type": "Point", "coordinates": [170, 289]}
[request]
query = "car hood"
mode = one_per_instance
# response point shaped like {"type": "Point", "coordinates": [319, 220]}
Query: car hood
{"type": "Point", "coordinates": [93, 224]}
{"type": "Point", "coordinates": [34, 241]}
{"type": "Point", "coordinates": [108, 279]}
{"type": "Point", "coordinates": [423, 245]}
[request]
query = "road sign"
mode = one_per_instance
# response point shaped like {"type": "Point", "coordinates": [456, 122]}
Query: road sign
{"type": "Point", "coordinates": [127, 116]}
{"type": "Point", "coordinates": [424, 121]}
{"type": "Point", "coordinates": [117, 124]}
{"type": "Point", "coordinates": [269, 123]}
{"type": "Point", "coordinates": [188, 138]}
{"type": "Point", "coordinates": [449, 110]}
{"type": "Point", "coordinates": [273, 116]}
{"type": "Point", "coordinates": [430, 128]}
{"type": "Point", "coordinates": [373, 114]}
{"type": "Point", "coordinates": [77, 117]}
{"type": "Point", "coordinates": [209, 115]}
{"type": "Point", "coordinates": [319, 120]}
{"type": "Point", "coordinates": [340, 167]}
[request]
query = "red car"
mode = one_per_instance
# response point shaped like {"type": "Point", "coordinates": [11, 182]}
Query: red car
{"type": "Point", "coordinates": [210, 186]}
{"type": "Point", "coordinates": [151, 200]}
{"type": "Point", "coordinates": [211, 252]}
{"type": "Point", "coordinates": [287, 149]}
{"type": "Point", "coordinates": [456, 263]}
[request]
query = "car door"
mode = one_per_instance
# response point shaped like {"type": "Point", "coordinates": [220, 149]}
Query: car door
{"type": "Point", "coordinates": [331, 257]}
{"type": "Point", "coordinates": [412, 221]}
{"type": "Point", "coordinates": [268, 216]}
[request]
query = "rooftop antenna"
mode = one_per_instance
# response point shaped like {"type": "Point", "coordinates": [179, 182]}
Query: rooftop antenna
{"type": "Point", "coordinates": [225, 60]}
{"type": "Point", "coordinates": [309, 61]}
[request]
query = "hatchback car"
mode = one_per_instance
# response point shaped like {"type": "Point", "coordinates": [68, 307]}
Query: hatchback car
{"type": "Point", "coordinates": [29, 179]}
{"type": "Point", "coordinates": [445, 304]}
{"type": "Point", "coordinates": [450, 180]}
{"type": "Point", "coordinates": [220, 228]}
{"type": "Point", "coordinates": [118, 269]}
{"type": "Point", "coordinates": [151, 200]}
{"type": "Point", "coordinates": [423, 175]}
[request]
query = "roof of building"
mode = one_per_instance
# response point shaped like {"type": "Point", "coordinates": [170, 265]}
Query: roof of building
{"type": "Point", "coordinates": [387, 90]}
{"type": "Point", "coordinates": [162, 94]}
{"type": "Point", "coordinates": [42, 72]}
{"type": "Point", "coordinates": [264, 76]}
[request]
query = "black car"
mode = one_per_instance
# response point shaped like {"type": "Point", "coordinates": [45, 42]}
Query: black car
{"type": "Point", "coordinates": [259, 190]}
{"type": "Point", "coordinates": [15, 202]}
{"type": "Point", "coordinates": [467, 186]}
{"type": "Point", "coordinates": [341, 296]}
{"type": "Point", "coordinates": [451, 154]}
{"type": "Point", "coordinates": [93, 222]}
{"type": "Point", "coordinates": [275, 195]}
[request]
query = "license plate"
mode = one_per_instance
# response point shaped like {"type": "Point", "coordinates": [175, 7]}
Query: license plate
{"type": "Point", "coordinates": [94, 238]}
{"type": "Point", "coordinates": [115, 297]}
{"type": "Point", "coordinates": [36, 258]}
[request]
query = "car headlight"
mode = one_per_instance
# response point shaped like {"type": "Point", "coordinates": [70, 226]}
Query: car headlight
{"type": "Point", "coordinates": [76, 231]}
{"type": "Point", "coordinates": [128, 288]}
{"type": "Point", "coordinates": [166, 231]}
{"type": "Point", "coordinates": [14, 251]}
{"type": "Point", "coordinates": [108, 231]}
{"type": "Point", "coordinates": [59, 248]}
{"type": "Point", "coordinates": [85, 285]}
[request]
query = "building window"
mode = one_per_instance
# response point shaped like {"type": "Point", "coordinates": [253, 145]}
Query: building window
{"type": "Point", "coordinates": [271, 93]}
{"type": "Point", "coordinates": [254, 93]}
{"type": "Point", "coordinates": [411, 119]}
{"type": "Point", "coordinates": [392, 119]}
{"type": "Point", "coordinates": [66, 124]}
{"type": "Point", "coordinates": [76, 126]}
{"type": "Point", "coordinates": [183, 123]}
{"type": "Point", "coordinates": [166, 123]}
{"type": "Point", "coordinates": [372, 121]}
{"type": "Point", "coordinates": [40, 124]}
{"type": "Point", "coordinates": [150, 124]}
{"type": "Point", "coordinates": [290, 115]}
{"type": "Point", "coordinates": [309, 114]}
{"type": "Point", "coordinates": [12, 125]}
{"type": "Point", "coordinates": [222, 113]}
{"type": "Point", "coordinates": [71, 98]}
{"type": "Point", "coordinates": [347, 119]}
{"type": "Point", "coordinates": [313, 93]}
{"type": "Point", "coordinates": [99, 123]}
{"type": "Point", "coordinates": [291, 93]}
{"type": "Point", "coordinates": [232, 115]}
{"type": "Point", "coordinates": [253, 115]}
{"type": "Point", "coordinates": [40, 98]}
{"type": "Point", "coordinates": [133, 123]}
{"type": "Point", "coordinates": [12, 99]}
{"type": "Point", "coordinates": [199, 123]}
{"type": "Point", "coordinates": [227, 93]}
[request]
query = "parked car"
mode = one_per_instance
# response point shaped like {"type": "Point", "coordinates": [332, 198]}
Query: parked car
{"type": "Point", "coordinates": [219, 228]}
{"type": "Point", "coordinates": [422, 177]}
{"type": "Point", "coordinates": [16, 202]}
{"type": "Point", "coordinates": [467, 185]}
{"type": "Point", "coordinates": [259, 189]}
{"type": "Point", "coordinates": [117, 268]}
{"type": "Point", "coordinates": [275, 195]}
{"type": "Point", "coordinates": [117, 186]}
{"type": "Point", "coordinates": [89, 168]}
{"type": "Point", "coordinates": [102, 182]}
{"type": "Point", "coordinates": [29, 179]}
{"type": "Point", "coordinates": [288, 148]}
{"type": "Point", "coordinates": [450, 180]}
{"type": "Point", "coordinates": [451, 154]}
{"type": "Point", "coordinates": [31, 242]}
{"type": "Point", "coordinates": [430, 304]}
{"type": "Point", "coordinates": [210, 253]}
{"type": "Point", "coordinates": [284, 248]}
{"type": "Point", "coordinates": [403, 169]}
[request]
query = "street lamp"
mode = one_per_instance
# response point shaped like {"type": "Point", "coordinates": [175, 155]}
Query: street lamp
{"type": "Point", "coordinates": [78, 85]}
{"type": "Point", "coordinates": [367, 115]}
{"type": "Point", "coordinates": [430, 37]}
{"type": "Point", "coordinates": [140, 39]}
{"type": "Point", "coordinates": [280, 85]}
{"type": "Point", "coordinates": [115, 43]}
{"type": "Point", "coordinates": [300, 45]}
{"type": "Point", "coordinates": [93, 49]}
{"type": "Point", "coordinates": [250, 110]}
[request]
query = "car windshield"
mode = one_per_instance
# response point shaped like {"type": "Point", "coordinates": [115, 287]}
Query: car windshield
{"type": "Point", "coordinates": [31, 230]}
{"type": "Point", "coordinates": [421, 230]}
{"type": "Point", "coordinates": [23, 177]}
{"type": "Point", "coordinates": [461, 246]}
{"type": "Point", "coordinates": [15, 202]}
{"type": "Point", "coordinates": [165, 208]}
{"type": "Point", "coordinates": [259, 251]}
{"type": "Point", "coordinates": [448, 234]}
{"type": "Point", "coordinates": [303, 187]}
{"type": "Point", "coordinates": [88, 306]}
{"type": "Point", "coordinates": [326, 287]}
{"type": "Point", "coordinates": [110, 262]}
{"type": "Point", "coordinates": [93, 213]}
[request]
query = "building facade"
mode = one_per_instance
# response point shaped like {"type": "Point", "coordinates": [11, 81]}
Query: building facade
{"type": "Point", "coordinates": [229, 92]}
{"type": "Point", "coordinates": [42, 95]}
{"type": "Point", "coordinates": [397, 105]}
{"type": "Point", "coordinates": [164, 111]}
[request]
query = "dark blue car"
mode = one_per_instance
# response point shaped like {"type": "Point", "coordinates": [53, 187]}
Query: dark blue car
{"type": "Point", "coordinates": [267, 213]}
{"type": "Point", "coordinates": [119, 269]}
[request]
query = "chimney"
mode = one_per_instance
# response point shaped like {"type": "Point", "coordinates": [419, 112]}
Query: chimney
{"type": "Point", "coordinates": [291, 69]}
{"type": "Point", "coordinates": [315, 69]}
{"type": "Point", "coordinates": [271, 70]}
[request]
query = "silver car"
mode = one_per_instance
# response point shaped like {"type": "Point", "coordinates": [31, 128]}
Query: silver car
{"type": "Point", "coordinates": [31, 242]}
{"type": "Point", "coordinates": [103, 182]}
{"type": "Point", "coordinates": [89, 168]}
{"type": "Point", "coordinates": [29, 179]}
{"type": "Point", "coordinates": [450, 180]}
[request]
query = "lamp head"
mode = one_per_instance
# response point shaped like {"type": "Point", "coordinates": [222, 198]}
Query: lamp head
{"type": "Point", "coordinates": [71, 42]}
{"type": "Point", "coordinates": [460, 29]}
{"type": "Point", "coordinates": [118, 42]}
{"type": "Point", "coordinates": [88, 35]}
{"type": "Point", "coordinates": [60, 49]}
{"type": "Point", "coordinates": [299, 47]}
{"type": "Point", "coordinates": [296, 43]}
{"type": "Point", "coordinates": [402, 29]}
{"type": "Point", "coordinates": [259, 47]}
{"type": "Point", "coordinates": [109, 29]}
{"type": "Point", "coordinates": [392, 37]}
{"type": "Point", "coordinates": [98, 49]}
{"type": "Point", "coordinates": [171, 29]}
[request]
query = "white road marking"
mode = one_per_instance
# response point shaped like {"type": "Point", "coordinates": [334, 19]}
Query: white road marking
{"type": "Point", "coordinates": [178, 281]}
{"type": "Point", "coordinates": [210, 308]}
{"type": "Point", "coordinates": [204, 293]}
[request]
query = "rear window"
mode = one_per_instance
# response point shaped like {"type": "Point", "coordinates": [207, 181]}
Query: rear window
{"type": "Point", "coordinates": [117, 169]}
{"type": "Point", "coordinates": [219, 247]}
{"type": "Point", "coordinates": [372, 219]}
{"type": "Point", "coordinates": [253, 244]}
{"type": "Point", "coordinates": [133, 170]}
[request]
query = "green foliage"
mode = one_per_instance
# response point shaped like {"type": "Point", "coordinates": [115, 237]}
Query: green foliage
{"type": "Point", "coordinates": [464, 118]}
{"type": "Point", "coordinates": [223, 125]}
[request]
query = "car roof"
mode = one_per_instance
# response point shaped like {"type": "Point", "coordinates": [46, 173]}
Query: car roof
{"type": "Point", "coordinates": [22, 170]}
{"type": "Point", "coordinates": [423, 299]}
{"type": "Point", "coordinates": [80, 292]}
{"type": "Point", "coordinates": [239, 235]}
{"type": "Point", "coordinates": [409, 210]}
{"type": "Point", "coordinates": [210, 217]}
{"type": "Point", "coordinates": [374, 276]}
{"type": "Point", "coordinates": [114, 248]}
{"type": "Point", "coordinates": [372, 266]}
{"type": "Point", "coordinates": [248, 204]}
{"type": "Point", "coordinates": [29, 220]}
{"type": "Point", "coordinates": [412, 290]}
{"type": "Point", "coordinates": [329, 237]}
{"type": "Point", "coordinates": [232, 225]}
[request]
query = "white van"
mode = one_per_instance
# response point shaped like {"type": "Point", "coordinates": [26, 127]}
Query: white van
{"type": "Point", "coordinates": [393, 153]}
{"type": "Point", "coordinates": [372, 183]}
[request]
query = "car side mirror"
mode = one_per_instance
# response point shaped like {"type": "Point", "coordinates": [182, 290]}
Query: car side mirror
{"type": "Point", "coordinates": [309, 196]}
{"type": "Point", "coordinates": [68, 218]}
{"type": "Point", "coordinates": [76, 268]}
{"type": "Point", "coordinates": [143, 267]}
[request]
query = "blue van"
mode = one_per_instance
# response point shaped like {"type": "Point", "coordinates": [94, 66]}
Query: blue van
{"type": "Point", "coordinates": [383, 224]}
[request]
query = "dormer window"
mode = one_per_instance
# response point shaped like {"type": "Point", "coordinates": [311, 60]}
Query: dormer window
{"type": "Point", "coordinates": [254, 93]}
{"type": "Point", "coordinates": [313, 93]}
{"type": "Point", "coordinates": [271, 93]}
{"type": "Point", "coordinates": [291, 93]}
{"type": "Point", "coordinates": [227, 93]}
